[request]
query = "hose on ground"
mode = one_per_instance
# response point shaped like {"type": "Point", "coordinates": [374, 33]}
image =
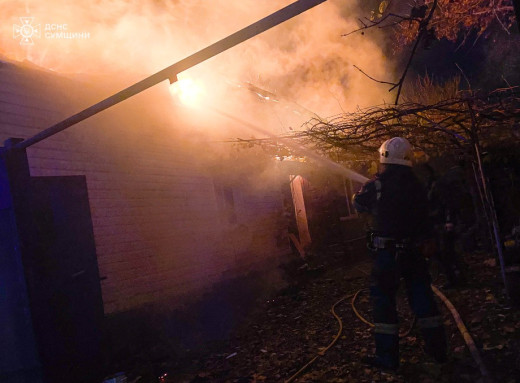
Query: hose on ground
{"type": "Point", "coordinates": [465, 333]}
{"type": "Point", "coordinates": [340, 330]}
{"type": "Point", "coordinates": [401, 335]}
{"type": "Point", "coordinates": [458, 320]}
{"type": "Point", "coordinates": [323, 351]}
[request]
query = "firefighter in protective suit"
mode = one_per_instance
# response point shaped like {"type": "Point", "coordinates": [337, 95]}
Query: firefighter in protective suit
{"type": "Point", "coordinates": [398, 207]}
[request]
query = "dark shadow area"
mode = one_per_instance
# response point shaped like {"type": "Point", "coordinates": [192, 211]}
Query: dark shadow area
{"type": "Point", "coordinates": [154, 339]}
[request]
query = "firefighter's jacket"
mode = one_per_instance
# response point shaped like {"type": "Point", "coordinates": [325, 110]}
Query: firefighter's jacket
{"type": "Point", "coordinates": [397, 202]}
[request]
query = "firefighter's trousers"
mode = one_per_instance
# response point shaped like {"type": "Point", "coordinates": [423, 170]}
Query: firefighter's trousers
{"type": "Point", "coordinates": [390, 265]}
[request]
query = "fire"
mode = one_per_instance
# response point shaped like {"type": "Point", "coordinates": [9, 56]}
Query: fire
{"type": "Point", "coordinates": [188, 91]}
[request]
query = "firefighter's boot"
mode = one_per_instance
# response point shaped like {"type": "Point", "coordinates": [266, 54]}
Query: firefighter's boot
{"type": "Point", "coordinates": [387, 352]}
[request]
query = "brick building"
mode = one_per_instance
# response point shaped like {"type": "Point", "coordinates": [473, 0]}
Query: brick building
{"type": "Point", "coordinates": [176, 220]}
{"type": "Point", "coordinates": [164, 225]}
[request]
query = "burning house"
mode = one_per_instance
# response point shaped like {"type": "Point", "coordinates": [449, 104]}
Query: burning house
{"type": "Point", "coordinates": [163, 227]}
{"type": "Point", "coordinates": [147, 222]}
{"type": "Point", "coordinates": [139, 208]}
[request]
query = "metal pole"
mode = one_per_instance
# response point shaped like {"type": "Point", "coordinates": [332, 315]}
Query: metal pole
{"type": "Point", "coordinates": [494, 222]}
{"type": "Point", "coordinates": [170, 73]}
{"type": "Point", "coordinates": [488, 198]}
{"type": "Point", "coordinates": [484, 206]}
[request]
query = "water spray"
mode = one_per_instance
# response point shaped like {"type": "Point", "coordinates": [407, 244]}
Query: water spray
{"type": "Point", "coordinates": [322, 160]}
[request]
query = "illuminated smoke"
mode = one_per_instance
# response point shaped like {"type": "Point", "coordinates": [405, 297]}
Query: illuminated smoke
{"type": "Point", "coordinates": [304, 61]}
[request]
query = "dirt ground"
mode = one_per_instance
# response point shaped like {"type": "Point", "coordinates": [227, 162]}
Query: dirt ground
{"type": "Point", "coordinates": [296, 325]}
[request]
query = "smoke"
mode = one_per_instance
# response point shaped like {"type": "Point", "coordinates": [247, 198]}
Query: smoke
{"type": "Point", "coordinates": [278, 80]}
{"type": "Point", "coordinates": [304, 61]}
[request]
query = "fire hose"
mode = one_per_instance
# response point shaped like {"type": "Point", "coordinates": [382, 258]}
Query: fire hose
{"type": "Point", "coordinates": [460, 325]}
{"type": "Point", "coordinates": [323, 351]}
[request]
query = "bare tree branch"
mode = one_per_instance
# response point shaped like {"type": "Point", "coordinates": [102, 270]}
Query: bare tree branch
{"type": "Point", "coordinates": [373, 79]}
{"type": "Point", "coordinates": [436, 128]}
{"type": "Point", "coordinates": [422, 31]}
{"type": "Point", "coordinates": [379, 22]}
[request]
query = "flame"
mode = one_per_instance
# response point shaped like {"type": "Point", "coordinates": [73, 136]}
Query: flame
{"type": "Point", "coordinates": [188, 91]}
{"type": "Point", "coordinates": [130, 39]}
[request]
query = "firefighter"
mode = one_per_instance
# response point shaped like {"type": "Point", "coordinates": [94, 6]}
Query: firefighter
{"type": "Point", "coordinates": [398, 207]}
{"type": "Point", "coordinates": [450, 203]}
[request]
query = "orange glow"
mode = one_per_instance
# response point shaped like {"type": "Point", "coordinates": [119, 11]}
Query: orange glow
{"type": "Point", "coordinates": [127, 40]}
{"type": "Point", "coordinates": [188, 91]}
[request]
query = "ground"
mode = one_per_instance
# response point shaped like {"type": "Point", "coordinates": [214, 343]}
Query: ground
{"type": "Point", "coordinates": [292, 328]}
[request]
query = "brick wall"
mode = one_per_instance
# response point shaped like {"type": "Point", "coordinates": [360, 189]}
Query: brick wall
{"type": "Point", "coordinates": [164, 226]}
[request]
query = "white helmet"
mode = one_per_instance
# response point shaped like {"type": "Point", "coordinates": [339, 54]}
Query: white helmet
{"type": "Point", "coordinates": [396, 150]}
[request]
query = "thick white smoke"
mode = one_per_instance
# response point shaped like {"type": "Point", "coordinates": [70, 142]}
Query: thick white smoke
{"type": "Point", "coordinates": [305, 62]}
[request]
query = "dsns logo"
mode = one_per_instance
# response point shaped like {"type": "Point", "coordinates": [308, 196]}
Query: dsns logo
{"type": "Point", "coordinates": [26, 31]}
